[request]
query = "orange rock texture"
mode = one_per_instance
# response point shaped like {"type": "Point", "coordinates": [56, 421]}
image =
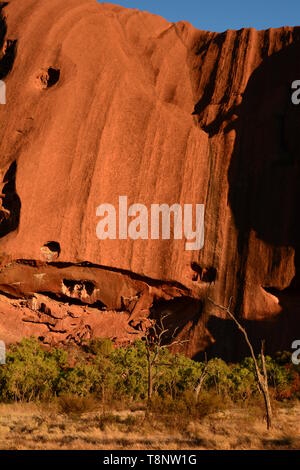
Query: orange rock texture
{"type": "Point", "coordinates": [104, 102]}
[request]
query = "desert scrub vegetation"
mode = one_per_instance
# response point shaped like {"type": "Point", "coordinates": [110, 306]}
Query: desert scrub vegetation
{"type": "Point", "coordinates": [98, 372]}
{"type": "Point", "coordinates": [96, 397]}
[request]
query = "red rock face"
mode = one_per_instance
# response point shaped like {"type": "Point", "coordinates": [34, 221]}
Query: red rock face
{"type": "Point", "coordinates": [104, 102]}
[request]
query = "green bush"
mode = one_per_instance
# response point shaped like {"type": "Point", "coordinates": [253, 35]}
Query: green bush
{"type": "Point", "coordinates": [82, 380]}
{"type": "Point", "coordinates": [33, 372]}
{"type": "Point", "coordinates": [103, 347]}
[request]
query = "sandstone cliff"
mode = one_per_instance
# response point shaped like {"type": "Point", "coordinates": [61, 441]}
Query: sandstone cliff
{"type": "Point", "coordinates": [103, 101]}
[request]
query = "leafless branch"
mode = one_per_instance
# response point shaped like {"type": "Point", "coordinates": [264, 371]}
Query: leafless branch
{"type": "Point", "coordinates": [261, 377]}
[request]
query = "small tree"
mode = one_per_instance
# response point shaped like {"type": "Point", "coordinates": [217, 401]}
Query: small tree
{"type": "Point", "coordinates": [261, 375]}
{"type": "Point", "coordinates": [156, 336]}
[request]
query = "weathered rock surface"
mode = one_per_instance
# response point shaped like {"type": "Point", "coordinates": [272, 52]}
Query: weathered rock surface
{"type": "Point", "coordinates": [102, 102]}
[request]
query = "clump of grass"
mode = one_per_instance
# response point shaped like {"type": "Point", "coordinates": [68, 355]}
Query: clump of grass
{"type": "Point", "coordinates": [107, 419]}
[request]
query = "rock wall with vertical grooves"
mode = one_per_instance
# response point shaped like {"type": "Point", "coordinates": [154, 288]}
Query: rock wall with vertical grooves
{"type": "Point", "coordinates": [104, 102]}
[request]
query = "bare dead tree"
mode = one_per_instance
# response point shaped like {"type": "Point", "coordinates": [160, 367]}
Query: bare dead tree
{"type": "Point", "coordinates": [201, 379]}
{"type": "Point", "coordinates": [155, 338]}
{"type": "Point", "coordinates": [261, 375]}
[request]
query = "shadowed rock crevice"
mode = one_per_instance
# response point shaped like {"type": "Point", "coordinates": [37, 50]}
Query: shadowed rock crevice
{"type": "Point", "coordinates": [48, 78]}
{"type": "Point", "coordinates": [181, 315]}
{"type": "Point", "coordinates": [73, 300]}
{"type": "Point", "coordinates": [78, 289]}
{"type": "Point", "coordinates": [205, 274]}
{"type": "Point", "coordinates": [10, 204]}
{"type": "Point", "coordinates": [8, 47]}
{"type": "Point", "coordinates": [3, 26]}
{"type": "Point", "coordinates": [206, 98]}
{"type": "Point", "coordinates": [53, 246]}
{"type": "Point", "coordinates": [8, 58]}
{"type": "Point", "coordinates": [50, 251]}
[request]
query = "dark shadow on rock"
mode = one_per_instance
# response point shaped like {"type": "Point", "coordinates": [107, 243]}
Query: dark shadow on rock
{"type": "Point", "coordinates": [206, 98]}
{"type": "Point", "coordinates": [264, 192]}
{"type": "Point", "coordinates": [230, 344]}
{"type": "Point", "coordinates": [8, 46]}
{"type": "Point", "coordinates": [10, 206]}
{"type": "Point", "coordinates": [3, 26]}
{"type": "Point", "coordinates": [178, 312]}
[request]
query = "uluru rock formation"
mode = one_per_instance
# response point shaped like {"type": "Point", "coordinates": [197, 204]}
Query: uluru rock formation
{"type": "Point", "coordinates": [104, 102]}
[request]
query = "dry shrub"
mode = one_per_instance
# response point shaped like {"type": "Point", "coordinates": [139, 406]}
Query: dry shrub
{"type": "Point", "coordinates": [291, 390]}
{"type": "Point", "coordinates": [209, 403]}
{"type": "Point", "coordinates": [73, 404]}
{"type": "Point", "coordinates": [177, 413]}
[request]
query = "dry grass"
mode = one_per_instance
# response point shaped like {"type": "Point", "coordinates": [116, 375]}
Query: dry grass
{"type": "Point", "coordinates": [72, 404]}
{"type": "Point", "coordinates": [28, 426]}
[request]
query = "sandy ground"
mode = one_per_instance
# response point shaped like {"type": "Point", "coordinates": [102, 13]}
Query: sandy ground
{"type": "Point", "coordinates": [28, 426]}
